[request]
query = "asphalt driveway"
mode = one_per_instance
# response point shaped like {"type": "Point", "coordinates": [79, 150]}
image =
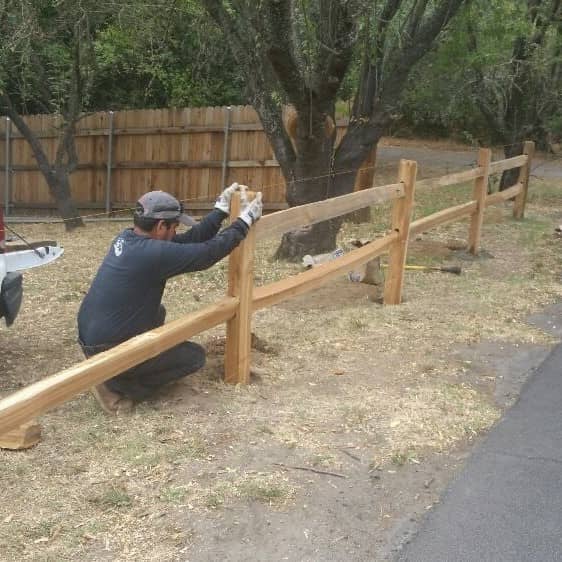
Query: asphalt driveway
{"type": "Point", "coordinates": [506, 504]}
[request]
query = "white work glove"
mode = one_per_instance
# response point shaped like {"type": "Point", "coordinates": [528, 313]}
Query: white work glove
{"type": "Point", "coordinates": [251, 212]}
{"type": "Point", "coordinates": [223, 201]}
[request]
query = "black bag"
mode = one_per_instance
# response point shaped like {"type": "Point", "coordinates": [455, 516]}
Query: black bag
{"type": "Point", "coordinates": [11, 295]}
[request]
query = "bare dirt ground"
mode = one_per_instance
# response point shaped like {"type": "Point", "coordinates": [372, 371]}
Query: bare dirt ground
{"type": "Point", "coordinates": [357, 420]}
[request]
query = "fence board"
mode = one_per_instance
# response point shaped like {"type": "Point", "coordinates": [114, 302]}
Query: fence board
{"type": "Point", "coordinates": [507, 164]}
{"type": "Point", "coordinates": [442, 217]}
{"type": "Point", "coordinates": [504, 195]}
{"type": "Point", "coordinates": [450, 179]}
{"type": "Point", "coordinates": [278, 223]}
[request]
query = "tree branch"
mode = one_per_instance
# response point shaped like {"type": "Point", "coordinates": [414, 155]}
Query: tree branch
{"type": "Point", "coordinates": [372, 68]}
{"type": "Point", "coordinates": [363, 133]}
{"type": "Point", "coordinates": [28, 134]}
{"type": "Point", "coordinates": [279, 49]}
{"type": "Point", "coordinates": [262, 82]}
{"type": "Point", "coordinates": [415, 16]}
{"type": "Point", "coordinates": [415, 47]}
{"type": "Point", "coordinates": [67, 145]}
{"type": "Point", "coordinates": [430, 29]}
{"type": "Point", "coordinates": [336, 37]}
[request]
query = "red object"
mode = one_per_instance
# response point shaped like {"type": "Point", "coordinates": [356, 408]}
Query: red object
{"type": "Point", "coordinates": [2, 231]}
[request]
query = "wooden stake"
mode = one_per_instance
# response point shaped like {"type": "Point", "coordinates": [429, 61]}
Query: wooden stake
{"type": "Point", "coordinates": [365, 180]}
{"type": "Point", "coordinates": [241, 285]}
{"type": "Point", "coordinates": [480, 192]}
{"type": "Point", "coordinates": [22, 437]}
{"type": "Point", "coordinates": [524, 171]}
{"type": "Point", "coordinates": [401, 217]}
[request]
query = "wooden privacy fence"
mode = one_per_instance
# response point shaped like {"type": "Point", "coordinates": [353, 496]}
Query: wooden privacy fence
{"type": "Point", "coordinates": [191, 152]}
{"type": "Point", "coordinates": [243, 299]}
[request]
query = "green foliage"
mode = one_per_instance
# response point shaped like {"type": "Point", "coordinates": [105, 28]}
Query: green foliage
{"type": "Point", "coordinates": [46, 60]}
{"type": "Point", "coordinates": [127, 56]}
{"type": "Point", "coordinates": [162, 55]}
{"type": "Point", "coordinates": [490, 79]}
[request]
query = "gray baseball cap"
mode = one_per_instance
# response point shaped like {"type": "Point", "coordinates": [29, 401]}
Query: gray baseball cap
{"type": "Point", "coordinates": [162, 205]}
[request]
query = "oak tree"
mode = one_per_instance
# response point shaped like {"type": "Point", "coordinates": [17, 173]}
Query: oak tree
{"type": "Point", "coordinates": [300, 53]}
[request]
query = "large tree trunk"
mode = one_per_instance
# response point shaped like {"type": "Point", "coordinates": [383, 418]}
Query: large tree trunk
{"type": "Point", "coordinates": [314, 239]}
{"type": "Point", "coordinates": [313, 184]}
{"type": "Point", "coordinates": [309, 183]}
{"type": "Point", "coordinates": [57, 176]}
{"type": "Point", "coordinates": [67, 209]}
{"type": "Point", "coordinates": [509, 177]}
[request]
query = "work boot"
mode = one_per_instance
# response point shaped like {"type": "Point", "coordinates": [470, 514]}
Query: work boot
{"type": "Point", "coordinates": [111, 402]}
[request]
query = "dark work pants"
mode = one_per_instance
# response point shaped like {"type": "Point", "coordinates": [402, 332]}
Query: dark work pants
{"type": "Point", "coordinates": [141, 381]}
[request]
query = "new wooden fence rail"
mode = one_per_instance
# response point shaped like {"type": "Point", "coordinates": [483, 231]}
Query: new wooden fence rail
{"type": "Point", "coordinates": [43, 395]}
{"type": "Point", "coordinates": [243, 298]}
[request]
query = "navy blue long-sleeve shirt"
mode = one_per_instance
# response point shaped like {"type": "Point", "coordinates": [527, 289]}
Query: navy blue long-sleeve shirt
{"type": "Point", "coordinates": [126, 293]}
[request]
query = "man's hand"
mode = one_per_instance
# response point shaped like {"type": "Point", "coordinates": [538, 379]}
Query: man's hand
{"type": "Point", "coordinates": [252, 211]}
{"type": "Point", "coordinates": [223, 201]}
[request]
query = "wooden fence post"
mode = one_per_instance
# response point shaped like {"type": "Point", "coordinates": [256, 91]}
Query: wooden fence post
{"type": "Point", "coordinates": [401, 216]}
{"type": "Point", "coordinates": [23, 437]}
{"type": "Point", "coordinates": [109, 164]}
{"type": "Point", "coordinates": [479, 194]}
{"type": "Point", "coordinates": [524, 171]}
{"type": "Point", "coordinates": [8, 168]}
{"type": "Point", "coordinates": [365, 180]}
{"type": "Point", "coordinates": [225, 150]}
{"type": "Point", "coordinates": [240, 284]}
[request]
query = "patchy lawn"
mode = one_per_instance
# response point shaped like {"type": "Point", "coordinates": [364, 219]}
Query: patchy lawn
{"type": "Point", "coordinates": [355, 422]}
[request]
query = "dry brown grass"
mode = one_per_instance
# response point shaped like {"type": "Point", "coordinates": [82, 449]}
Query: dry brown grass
{"type": "Point", "coordinates": [341, 372]}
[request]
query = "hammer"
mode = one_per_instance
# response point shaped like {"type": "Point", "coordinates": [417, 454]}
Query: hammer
{"type": "Point", "coordinates": [445, 269]}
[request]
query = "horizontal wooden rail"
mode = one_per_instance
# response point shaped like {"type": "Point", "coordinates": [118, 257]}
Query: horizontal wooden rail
{"type": "Point", "coordinates": [273, 293]}
{"type": "Point", "coordinates": [283, 221]}
{"type": "Point", "coordinates": [26, 404]}
{"type": "Point", "coordinates": [442, 217]}
{"type": "Point", "coordinates": [123, 131]}
{"type": "Point", "coordinates": [127, 206]}
{"type": "Point", "coordinates": [450, 179]}
{"type": "Point", "coordinates": [177, 130]}
{"type": "Point", "coordinates": [165, 165]}
{"type": "Point", "coordinates": [508, 164]}
{"type": "Point", "coordinates": [504, 195]}
{"type": "Point", "coordinates": [177, 164]}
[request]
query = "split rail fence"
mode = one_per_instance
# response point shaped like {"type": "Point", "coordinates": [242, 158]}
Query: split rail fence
{"type": "Point", "coordinates": [243, 298]}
